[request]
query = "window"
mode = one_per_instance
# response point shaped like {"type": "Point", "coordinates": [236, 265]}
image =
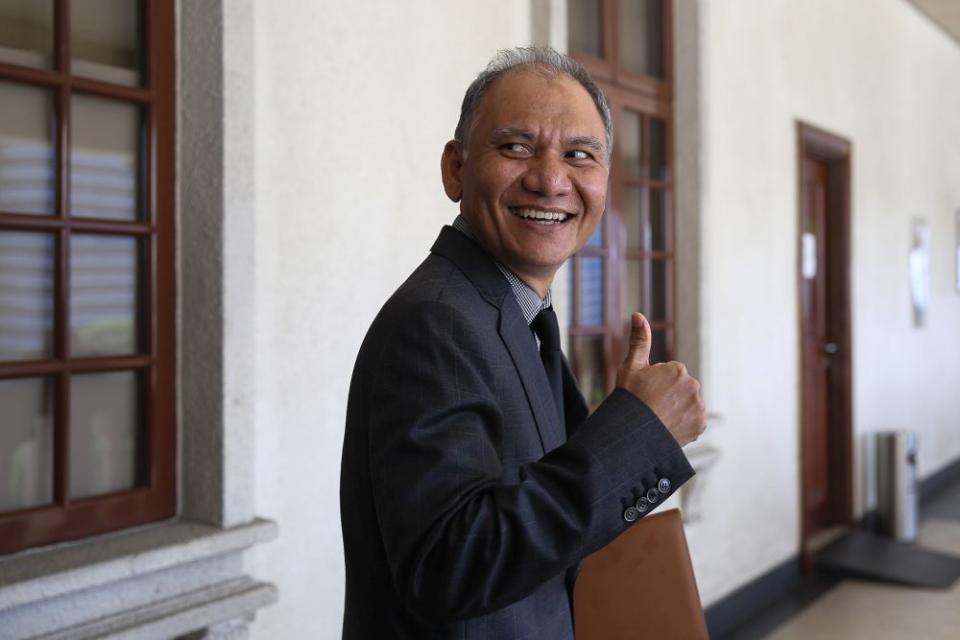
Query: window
{"type": "Point", "coordinates": [628, 265]}
{"type": "Point", "coordinates": [87, 432]}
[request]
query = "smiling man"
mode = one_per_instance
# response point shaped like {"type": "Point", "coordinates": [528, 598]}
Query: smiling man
{"type": "Point", "coordinates": [473, 480]}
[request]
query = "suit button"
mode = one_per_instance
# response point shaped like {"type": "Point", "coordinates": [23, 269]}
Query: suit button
{"type": "Point", "coordinates": [631, 514]}
{"type": "Point", "coordinates": [664, 486]}
{"type": "Point", "coordinates": [642, 504]}
{"type": "Point", "coordinates": [653, 495]}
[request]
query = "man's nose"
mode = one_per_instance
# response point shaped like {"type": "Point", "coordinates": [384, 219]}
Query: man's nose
{"type": "Point", "coordinates": [547, 176]}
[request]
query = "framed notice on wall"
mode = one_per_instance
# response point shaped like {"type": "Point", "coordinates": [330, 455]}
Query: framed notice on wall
{"type": "Point", "coordinates": [920, 270]}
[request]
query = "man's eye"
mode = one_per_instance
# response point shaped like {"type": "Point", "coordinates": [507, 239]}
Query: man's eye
{"type": "Point", "coordinates": [514, 147]}
{"type": "Point", "coordinates": [578, 154]}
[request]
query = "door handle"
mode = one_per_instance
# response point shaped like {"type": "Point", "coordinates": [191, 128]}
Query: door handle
{"type": "Point", "coordinates": [831, 348]}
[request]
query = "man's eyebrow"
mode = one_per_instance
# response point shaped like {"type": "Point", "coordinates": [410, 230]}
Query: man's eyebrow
{"type": "Point", "coordinates": [588, 141]}
{"type": "Point", "coordinates": [511, 132]}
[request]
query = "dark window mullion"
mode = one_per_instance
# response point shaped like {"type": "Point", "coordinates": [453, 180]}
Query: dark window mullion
{"type": "Point", "coordinates": [61, 34]}
{"type": "Point", "coordinates": [61, 409]}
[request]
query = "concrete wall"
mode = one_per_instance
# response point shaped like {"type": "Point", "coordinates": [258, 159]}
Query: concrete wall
{"type": "Point", "coordinates": [883, 76]}
{"type": "Point", "coordinates": [354, 102]}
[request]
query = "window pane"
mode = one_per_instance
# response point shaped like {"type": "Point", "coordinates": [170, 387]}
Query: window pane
{"type": "Point", "coordinates": [658, 149]}
{"type": "Point", "coordinates": [641, 36]}
{"type": "Point", "coordinates": [105, 159]}
{"type": "Point", "coordinates": [633, 286]}
{"type": "Point", "coordinates": [658, 290]}
{"type": "Point", "coordinates": [629, 141]}
{"type": "Point", "coordinates": [27, 156]}
{"type": "Point", "coordinates": [583, 26]}
{"type": "Point", "coordinates": [26, 295]}
{"type": "Point", "coordinates": [588, 355]}
{"type": "Point", "coordinates": [658, 347]}
{"type": "Point", "coordinates": [26, 443]}
{"type": "Point", "coordinates": [104, 433]}
{"type": "Point", "coordinates": [104, 291]}
{"type": "Point", "coordinates": [26, 33]}
{"type": "Point", "coordinates": [591, 291]}
{"type": "Point", "coordinates": [631, 217]}
{"type": "Point", "coordinates": [596, 240]}
{"type": "Point", "coordinates": [105, 40]}
{"type": "Point", "coordinates": [658, 220]}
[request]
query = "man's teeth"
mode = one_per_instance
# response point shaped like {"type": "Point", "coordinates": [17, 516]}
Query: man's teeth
{"type": "Point", "coordinates": [541, 217]}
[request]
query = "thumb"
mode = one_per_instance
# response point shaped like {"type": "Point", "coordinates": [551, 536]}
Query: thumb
{"type": "Point", "coordinates": [640, 339]}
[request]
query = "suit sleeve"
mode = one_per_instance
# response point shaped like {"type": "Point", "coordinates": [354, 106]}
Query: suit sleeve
{"type": "Point", "coordinates": [460, 539]}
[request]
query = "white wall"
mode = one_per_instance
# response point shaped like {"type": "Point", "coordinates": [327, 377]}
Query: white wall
{"type": "Point", "coordinates": [880, 74]}
{"type": "Point", "coordinates": [354, 102]}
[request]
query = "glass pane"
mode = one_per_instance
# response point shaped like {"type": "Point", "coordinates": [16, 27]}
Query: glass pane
{"type": "Point", "coordinates": [104, 159]}
{"type": "Point", "coordinates": [105, 40]}
{"type": "Point", "coordinates": [26, 295]}
{"type": "Point", "coordinates": [658, 290]}
{"type": "Point", "coordinates": [631, 217]}
{"type": "Point", "coordinates": [641, 36]}
{"type": "Point", "coordinates": [629, 142]}
{"type": "Point", "coordinates": [633, 286]}
{"type": "Point", "coordinates": [596, 240]}
{"type": "Point", "coordinates": [583, 26]}
{"type": "Point", "coordinates": [588, 356]}
{"type": "Point", "coordinates": [26, 33]}
{"type": "Point", "coordinates": [26, 443]}
{"type": "Point", "coordinates": [658, 347]}
{"type": "Point", "coordinates": [104, 433]}
{"type": "Point", "coordinates": [591, 291]}
{"type": "Point", "coordinates": [27, 159]}
{"type": "Point", "coordinates": [658, 220]}
{"type": "Point", "coordinates": [658, 149]}
{"type": "Point", "coordinates": [104, 290]}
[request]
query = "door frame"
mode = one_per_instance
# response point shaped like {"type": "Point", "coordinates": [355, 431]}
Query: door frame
{"type": "Point", "coordinates": [836, 153]}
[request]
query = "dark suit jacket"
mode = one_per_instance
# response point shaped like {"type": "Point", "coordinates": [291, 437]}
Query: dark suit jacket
{"type": "Point", "coordinates": [464, 501]}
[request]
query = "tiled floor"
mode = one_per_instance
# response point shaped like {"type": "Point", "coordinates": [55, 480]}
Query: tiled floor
{"type": "Point", "coordinates": [854, 610]}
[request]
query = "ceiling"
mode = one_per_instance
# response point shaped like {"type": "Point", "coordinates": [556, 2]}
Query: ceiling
{"type": "Point", "coordinates": [945, 13]}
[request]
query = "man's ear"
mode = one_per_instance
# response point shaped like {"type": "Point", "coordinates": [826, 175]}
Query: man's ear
{"type": "Point", "coordinates": [451, 168]}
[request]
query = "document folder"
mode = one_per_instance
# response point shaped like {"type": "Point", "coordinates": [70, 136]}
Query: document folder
{"type": "Point", "coordinates": [640, 586]}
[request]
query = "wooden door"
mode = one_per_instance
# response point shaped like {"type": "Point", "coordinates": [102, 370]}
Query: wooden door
{"type": "Point", "coordinates": [815, 342]}
{"type": "Point", "coordinates": [826, 441]}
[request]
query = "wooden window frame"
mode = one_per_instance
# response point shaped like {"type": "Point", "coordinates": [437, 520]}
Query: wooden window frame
{"type": "Point", "coordinates": [652, 98]}
{"type": "Point", "coordinates": [607, 68]}
{"type": "Point", "coordinates": [155, 498]}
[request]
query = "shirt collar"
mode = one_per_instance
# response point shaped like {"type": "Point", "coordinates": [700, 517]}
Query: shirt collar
{"type": "Point", "coordinates": [529, 300]}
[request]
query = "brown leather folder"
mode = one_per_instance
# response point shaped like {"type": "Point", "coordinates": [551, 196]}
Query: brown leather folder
{"type": "Point", "coordinates": [640, 586]}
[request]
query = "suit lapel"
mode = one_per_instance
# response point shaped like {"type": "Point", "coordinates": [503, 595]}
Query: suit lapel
{"type": "Point", "coordinates": [513, 329]}
{"type": "Point", "coordinates": [574, 405]}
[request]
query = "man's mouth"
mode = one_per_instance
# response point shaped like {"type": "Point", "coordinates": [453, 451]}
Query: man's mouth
{"type": "Point", "coordinates": [539, 216]}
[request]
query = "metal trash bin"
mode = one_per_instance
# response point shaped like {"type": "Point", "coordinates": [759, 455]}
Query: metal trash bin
{"type": "Point", "coordinates": [897, 491]}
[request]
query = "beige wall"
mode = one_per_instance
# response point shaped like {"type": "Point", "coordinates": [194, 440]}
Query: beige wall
{"type": "Point", "coordinates": [881, 75]}
{"type": "Point", "coordinates": [354, 102]}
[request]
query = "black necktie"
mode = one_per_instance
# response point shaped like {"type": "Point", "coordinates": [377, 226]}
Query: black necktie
{"type": "Point", "coordinates": [545, 324]}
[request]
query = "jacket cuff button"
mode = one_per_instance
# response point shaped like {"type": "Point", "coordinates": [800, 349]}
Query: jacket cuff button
{"type": "Point", "coordinates": [631, 514]}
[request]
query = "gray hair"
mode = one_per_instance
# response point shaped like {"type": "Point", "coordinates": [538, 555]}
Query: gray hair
{"type": "Point", "coordinates": [542, 59]}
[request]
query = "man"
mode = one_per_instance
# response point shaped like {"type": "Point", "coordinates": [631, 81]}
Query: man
{"type": "Point", "coordinates": [473, 481]}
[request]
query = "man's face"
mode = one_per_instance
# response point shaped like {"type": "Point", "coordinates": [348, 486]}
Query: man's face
{"type": "Point", "coordinates": [532, 181]}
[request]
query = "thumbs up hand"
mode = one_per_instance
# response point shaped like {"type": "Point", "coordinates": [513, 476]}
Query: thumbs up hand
{"type": "Point", "coordinates": [670, 392]}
